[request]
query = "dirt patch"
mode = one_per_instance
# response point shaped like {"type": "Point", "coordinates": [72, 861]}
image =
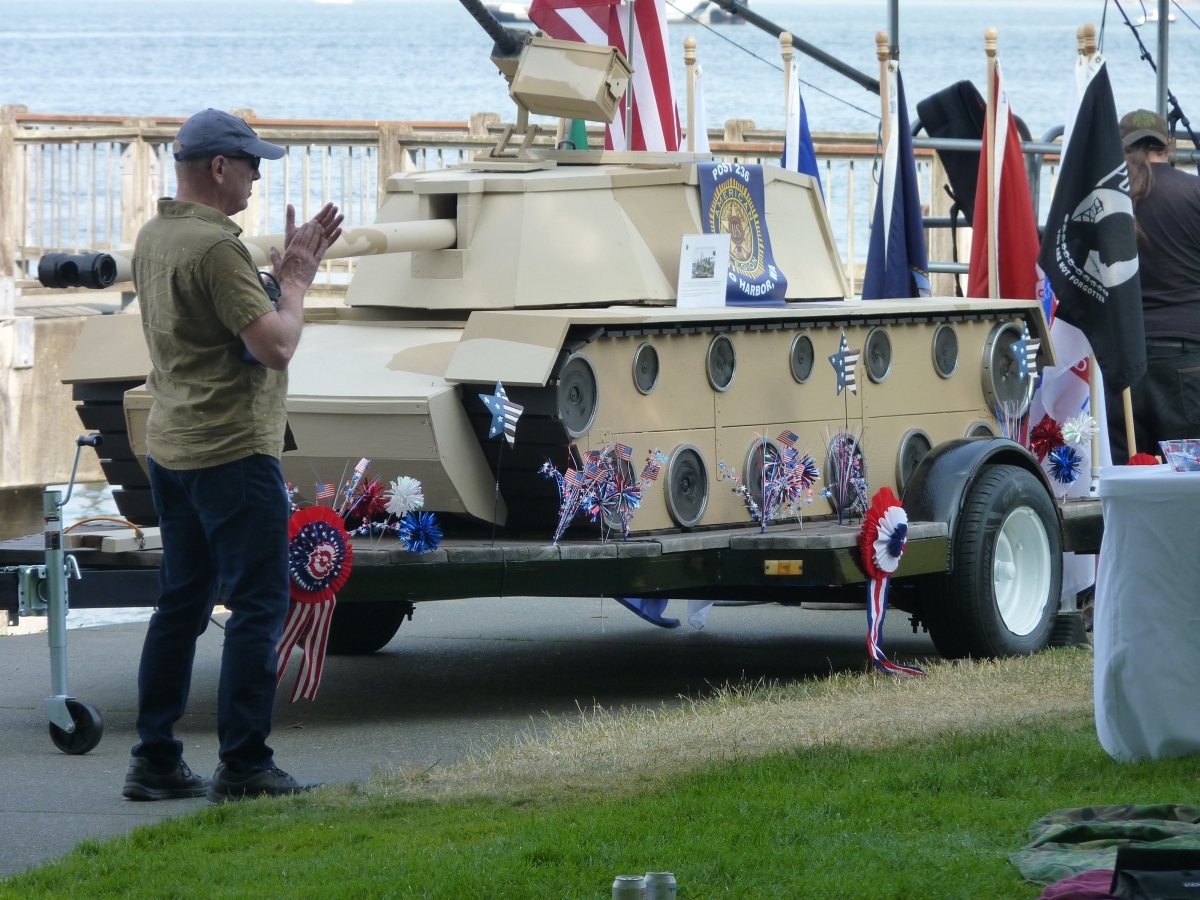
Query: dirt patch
{"type": "Point", "coordinates": [615, 750]}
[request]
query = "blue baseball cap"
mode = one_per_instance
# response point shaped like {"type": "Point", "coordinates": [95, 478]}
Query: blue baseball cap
{"type": "Point", "coordinates": [215, 133]}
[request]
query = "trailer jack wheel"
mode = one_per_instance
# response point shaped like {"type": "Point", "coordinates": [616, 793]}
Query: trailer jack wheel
{"type": "Point", "coordinates": [89, 728]}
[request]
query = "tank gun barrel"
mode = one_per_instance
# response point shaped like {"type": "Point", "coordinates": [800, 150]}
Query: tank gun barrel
{"type": "Point", "coordinates": [367, 240]}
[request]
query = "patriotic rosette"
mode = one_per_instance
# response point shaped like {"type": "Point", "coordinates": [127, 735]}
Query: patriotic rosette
{"type": "Point", "coordinates": [320, 558]}
{"type": "Point", "coordinates": [881, 543]}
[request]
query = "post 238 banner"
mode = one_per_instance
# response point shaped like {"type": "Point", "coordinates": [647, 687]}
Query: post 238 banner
{"type": "Point", "coordinates": [731, 202]}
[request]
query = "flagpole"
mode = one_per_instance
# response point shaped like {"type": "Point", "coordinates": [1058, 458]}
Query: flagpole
{"type": "Point", "coordinates": [496, 503]}
{"type": "Point", "coordinates": [1130, 441]}
{"type": "Point", "coordinates": [1085, 39]}
{"type": "Point", "coordinates": [689, 60]}
{"type": "Point", "coordinates": [629, 90]}
{"type": "Point", "coordinates": [882, 54]}
{"type": "Point", "coordinates": [785, 50]}
{"type": "Point", "coordinates": [989, 46]}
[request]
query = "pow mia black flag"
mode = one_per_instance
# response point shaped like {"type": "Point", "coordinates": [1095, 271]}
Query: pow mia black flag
{"type": "Point", "coordinates": [1089, 247]}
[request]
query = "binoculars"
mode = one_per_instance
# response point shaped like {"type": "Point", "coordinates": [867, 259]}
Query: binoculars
{"type": "Point", "coordinates": [67, 270]}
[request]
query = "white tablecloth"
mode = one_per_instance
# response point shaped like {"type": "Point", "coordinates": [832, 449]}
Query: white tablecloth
{"type": "Point", "coordinates": [1147, 624]}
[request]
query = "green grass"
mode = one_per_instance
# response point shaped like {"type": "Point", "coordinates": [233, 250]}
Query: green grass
{"type": "Point", "coordinates": [923, 819]}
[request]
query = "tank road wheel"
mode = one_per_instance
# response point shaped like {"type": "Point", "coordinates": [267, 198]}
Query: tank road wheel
{"type": "Point", "coordinates": [1002, 595]}
{"type": "Point", "coordinates": [359, 629]}
{"type": "Point", "coordinates": [89, 728]}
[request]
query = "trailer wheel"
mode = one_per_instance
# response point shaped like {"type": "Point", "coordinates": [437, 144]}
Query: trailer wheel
{"type": "Point", "coordinates": [1001, 597]}
{"type": "Point", "coordinates": [89, 728]}
{"type": "Point", "coordinates": [359, 629]}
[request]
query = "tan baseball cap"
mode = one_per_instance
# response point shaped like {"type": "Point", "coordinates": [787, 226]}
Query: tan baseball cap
{"type": "Point", "coordinates": [1141, 124]}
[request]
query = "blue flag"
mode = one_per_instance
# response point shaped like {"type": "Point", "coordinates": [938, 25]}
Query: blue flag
{"type": "Point", "coordinates": [731, 202]}
{"type": "Point", "coordinates": [651, 610]}
{"type": "Point", "coordinates": [897, 262]}
{"type": "Point", "coordinates": [798, 152]}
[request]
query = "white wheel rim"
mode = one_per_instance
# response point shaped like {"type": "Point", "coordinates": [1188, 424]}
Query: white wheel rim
{"type": "Point", "coordinates": [1021, 571]}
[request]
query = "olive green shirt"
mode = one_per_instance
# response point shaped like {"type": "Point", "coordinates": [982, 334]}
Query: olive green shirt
{"type": "Point", "coordinates": [198, 288]}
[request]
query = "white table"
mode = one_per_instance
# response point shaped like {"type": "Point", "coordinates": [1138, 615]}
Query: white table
{"type": "Point", "coordinates": [1147, 623]}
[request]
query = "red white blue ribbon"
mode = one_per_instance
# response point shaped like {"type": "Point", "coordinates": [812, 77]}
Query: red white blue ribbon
{"type": "Point", "coordinates": [881, 544]}
{"type": "Point", "coordinates": [320, 558]}
{"type": "Point", "coordinates": [877, 590]}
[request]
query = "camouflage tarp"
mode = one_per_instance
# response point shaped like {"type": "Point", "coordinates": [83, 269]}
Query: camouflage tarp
{"type": "Point", "coordinates": [1072, 841]}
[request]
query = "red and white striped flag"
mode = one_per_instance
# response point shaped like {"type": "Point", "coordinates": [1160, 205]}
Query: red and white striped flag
{"type": "Point", "coordinates": [655, 115]}
{"type": "Point", "coordinates": [325, 491]}
{"type": "Point", "coordinates": [1011, 207]}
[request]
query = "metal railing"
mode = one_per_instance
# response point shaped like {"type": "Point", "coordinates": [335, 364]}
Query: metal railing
{"type": "Point", "coordinates": [81, 183]}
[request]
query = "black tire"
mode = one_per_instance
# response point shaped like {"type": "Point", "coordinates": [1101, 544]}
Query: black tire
{"type": "Point", "coordinates": [359, 629]}
{"type": "Point", "coordinates": [960, 608]}
{"type": "Point", "coordinates": [89, 729]}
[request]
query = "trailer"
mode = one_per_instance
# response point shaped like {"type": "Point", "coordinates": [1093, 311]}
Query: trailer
{"type": "Point", "coordinates": [981, 571]}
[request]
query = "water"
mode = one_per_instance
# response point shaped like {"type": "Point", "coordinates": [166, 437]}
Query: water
{"type": "Point", "coordinates": [426, 59]}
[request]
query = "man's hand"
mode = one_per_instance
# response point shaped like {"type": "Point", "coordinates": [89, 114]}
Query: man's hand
{"type": "Point", "coordinates": [272, 338]}
{"type": "Point", "coordinates": [304, 247]}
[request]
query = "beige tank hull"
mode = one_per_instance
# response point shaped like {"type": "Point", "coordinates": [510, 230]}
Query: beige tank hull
{"type": "Point", "coordinates": [582, 261]}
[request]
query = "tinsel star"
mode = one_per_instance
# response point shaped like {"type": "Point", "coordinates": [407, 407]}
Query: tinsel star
{"type": "Point", "coordinates": [404, 496]}
{"type": "Point", "coordinates": [1079, 430]}
{"type": "Point", "coordinates": [1045, 437]}
{"type": "Point", "coordinates": [1065, 463]}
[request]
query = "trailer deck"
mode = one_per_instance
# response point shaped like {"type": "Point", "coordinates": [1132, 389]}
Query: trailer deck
{"type": "Point", "coordinates": [725, 563]}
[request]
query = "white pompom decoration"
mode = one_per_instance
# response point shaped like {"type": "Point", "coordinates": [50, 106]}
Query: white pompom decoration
{"type": "Point", "coordinates": [404, 496]}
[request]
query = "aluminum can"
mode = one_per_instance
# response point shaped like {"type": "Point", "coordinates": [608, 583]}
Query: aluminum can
{"type": "Point", "coordinates": [629, 887]}
{"type": "Point", "coordinates": [660, 886]}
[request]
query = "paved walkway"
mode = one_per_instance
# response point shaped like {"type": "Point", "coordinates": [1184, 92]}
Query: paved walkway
{"type": "Point", "coordinates": [462, 672]}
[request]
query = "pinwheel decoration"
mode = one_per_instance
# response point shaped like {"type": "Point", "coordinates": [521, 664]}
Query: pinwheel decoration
{"type": "Point", "coordinates": [881, 543]}
{"type": "Point", "coordinates": [604, 488]}
{"type": "Point", "coordinates": [320, 558]}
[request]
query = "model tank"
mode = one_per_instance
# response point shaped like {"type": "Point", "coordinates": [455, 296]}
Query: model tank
{"type": "Point", "coordinates": [555, 273]}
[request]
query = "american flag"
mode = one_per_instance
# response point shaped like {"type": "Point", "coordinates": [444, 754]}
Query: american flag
{"type": "Point", "coordinates": [325, 491]}
{"type": "Point", "coordinates": [624, 453]}
{"type": "Point", "coordinates": [573, 479]}
{"type": "Point", "coordinates": [361, 467]}
{"type": "Point", "coordinates": [1026, 351]}
{"type": "Point", "coordinates": [845, 361]}
{"type": "Point", "coordinates": [788, 438]}
{"type": "Point", "coordinates": [656, 123]}
{"type": "Point", "coordinates": [512, 412]}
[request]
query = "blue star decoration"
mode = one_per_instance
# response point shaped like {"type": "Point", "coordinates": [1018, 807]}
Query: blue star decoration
{"type": "Point", "coordinates": [844, 363]}
{"type": "Point", "coordinates": [504, 414]}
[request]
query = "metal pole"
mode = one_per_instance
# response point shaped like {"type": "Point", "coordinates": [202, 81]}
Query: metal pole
{"type": "Point", "coordinates": [894, 28]}
{"type": "Point", "coordinates": [1164, 39]}
{"type": "Point", "coordinates": [629, 91]}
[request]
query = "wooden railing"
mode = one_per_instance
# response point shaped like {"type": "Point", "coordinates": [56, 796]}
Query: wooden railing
{"type": "Point", "coordinates": [78, 183]}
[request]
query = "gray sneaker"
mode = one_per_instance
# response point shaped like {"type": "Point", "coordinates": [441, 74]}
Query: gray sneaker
{"type": "Point", "coordinates": [272, 782]}
{"type": "Point", "coordinates": [147, 781]}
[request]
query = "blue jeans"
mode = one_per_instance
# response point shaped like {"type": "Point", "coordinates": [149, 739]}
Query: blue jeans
{"type": "Point", "coordinates": [223, 526]}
